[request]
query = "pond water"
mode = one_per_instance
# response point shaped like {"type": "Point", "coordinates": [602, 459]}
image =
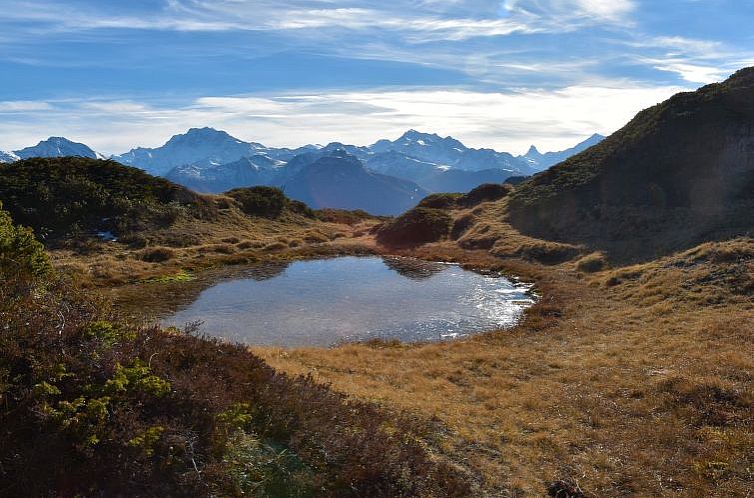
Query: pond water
{"type": "Point", "coordinates": [326, 302]}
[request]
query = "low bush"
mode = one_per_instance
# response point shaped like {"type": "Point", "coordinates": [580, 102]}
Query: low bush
{"type": "Point", "coordinates": [265, 202]}
{"type": "Point", "coordinates": [156, 254]}
{"type": "Point", "coordinates": [485, 193]}
{"type": "Point", "coordinates": [415, 227]}
{"type": "Point", "coordinates": [20, 253]}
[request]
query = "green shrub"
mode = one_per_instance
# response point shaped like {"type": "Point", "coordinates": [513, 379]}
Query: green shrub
{"type": "Point", "coordinates": [265, 202]}
{"type": "Point", "coordinates": [75, 196]}
{"type": "Point", "coordinates": [417, 226]}
{"type": "Point", "coordinates": [20, 253]}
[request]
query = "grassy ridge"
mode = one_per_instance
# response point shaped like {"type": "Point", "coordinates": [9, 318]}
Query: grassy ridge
{"type": "Point", "coordinates": [678, 174]}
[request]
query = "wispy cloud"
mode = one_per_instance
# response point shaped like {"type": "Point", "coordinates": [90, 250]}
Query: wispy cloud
{"type": "Point", "coordinates": [15, 106]}
{"type": "Point", "coordinates": [510, 120]}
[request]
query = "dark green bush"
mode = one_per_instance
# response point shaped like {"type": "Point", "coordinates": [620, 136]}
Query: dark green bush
{"type": "Point", "coordinates": [20, 253]}
{"type": "Point", "coordinates": [417, 226]}
{"type": "Point", "coordinates": [75, 196]}
{"type": "Point", "coordinates": [262, 201]}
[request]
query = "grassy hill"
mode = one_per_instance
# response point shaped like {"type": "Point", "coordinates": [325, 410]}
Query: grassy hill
{"type": "Point", "coordinates": [73, 196]}
{"type": "Point", "coordinates": [678, 174]}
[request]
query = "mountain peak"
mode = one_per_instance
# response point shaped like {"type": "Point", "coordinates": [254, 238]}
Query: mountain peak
{"type": "Point", "coordinates": [57, 147]}
{"type": "Point", "coordinates": [418, 135]}
{"type": "Point", "coordinates": [202, 135]}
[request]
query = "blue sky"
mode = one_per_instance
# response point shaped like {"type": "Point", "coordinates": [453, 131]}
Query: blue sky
{"type": "Point", "coordinates": [503, 74]}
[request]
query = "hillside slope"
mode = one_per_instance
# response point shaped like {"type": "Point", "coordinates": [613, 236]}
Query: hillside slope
{"type": "Point", "coordinates": [678, 174]}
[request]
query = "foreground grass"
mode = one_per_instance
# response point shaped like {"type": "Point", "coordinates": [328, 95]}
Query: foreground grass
{"type": "Point", "coordinates": [629, 381]}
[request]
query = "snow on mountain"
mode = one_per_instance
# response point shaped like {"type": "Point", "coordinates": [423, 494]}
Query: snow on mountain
{"type": "Point", "coordinates": [58, 147]}
{"type": "Point", "coordinates": [200, 147]}
{"type": "Point", "coordinates": [450, 152]}
{"type": "Point", "coordinates": [254, 170]}
{"type": "Point", "coordinates": [8, 157]}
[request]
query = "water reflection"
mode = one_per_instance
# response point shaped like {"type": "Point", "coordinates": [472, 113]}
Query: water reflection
{"type": "Point", "coordinates": [323, 302]}
{"type": "Point", "coordinates": [415, 269]}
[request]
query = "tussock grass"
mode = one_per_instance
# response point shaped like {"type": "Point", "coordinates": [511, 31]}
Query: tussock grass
{"type": "Point", "coordinates": [620, 381]}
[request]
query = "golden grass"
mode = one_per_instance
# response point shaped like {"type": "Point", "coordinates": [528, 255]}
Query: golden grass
{"type": "Point", "coordinates": [631, 381]}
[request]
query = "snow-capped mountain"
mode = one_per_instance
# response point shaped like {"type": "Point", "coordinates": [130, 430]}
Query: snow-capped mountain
{"type": "Point", "coordinates": [8, 157]}
{"type": "Point", "coordinates": [200, 147]}
{"type": "Point", "coordinates": [254, 170]}
{"type": "Point", "coordinates": [541, 161]}
{"type": "Point", "coordinates": [384, 178]}
{"type": "Point", "coordinates": [58, 147]}
{"type": "Point", "coordinates": [450, 152]}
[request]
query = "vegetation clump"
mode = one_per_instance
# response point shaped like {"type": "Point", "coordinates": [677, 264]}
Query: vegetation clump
{"type": "Point", "coordinates": [592, 263]}
{"type": "Point", "coordinates": [343, 216]}
{"type": "Point", "coordinates": [20, 253]}
{"type": "Point", "coordinates": [420, 225]}
{"type": "Point", "coordinates": [76, 196]}
{"type": "Point", "coordinates": [440, 201]}
{"type": "Point", "coordinates": [267, 202]}
{"type": "Point", "coordinates": [485, 193]}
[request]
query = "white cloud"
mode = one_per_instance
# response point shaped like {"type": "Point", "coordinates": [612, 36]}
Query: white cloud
{"type": "Point", "coordinates": [23, 106]}
{"type": "Point", "coordinates": [509, 121]}
{"type": "Point", "coordinates": [693, 73]}
{"type": "Point", "coordinates": [612, 11]}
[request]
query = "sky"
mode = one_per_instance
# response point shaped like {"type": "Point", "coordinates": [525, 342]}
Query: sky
{"type": "Point", "coordinates": [503, 74]}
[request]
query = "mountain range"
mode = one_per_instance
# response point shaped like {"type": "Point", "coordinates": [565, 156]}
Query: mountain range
{"type": "Point", "coordinates": [386, 177]}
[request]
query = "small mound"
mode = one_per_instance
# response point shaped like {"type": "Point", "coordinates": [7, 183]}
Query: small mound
{"type": "Point", "coordinates": [440, 201]}
{"type": "Point", "coordinates": [418, 226]}
{"type": "Point", "coordinates": [485, 193]}
{"type": "Point", "coordinates": [267, 202]}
